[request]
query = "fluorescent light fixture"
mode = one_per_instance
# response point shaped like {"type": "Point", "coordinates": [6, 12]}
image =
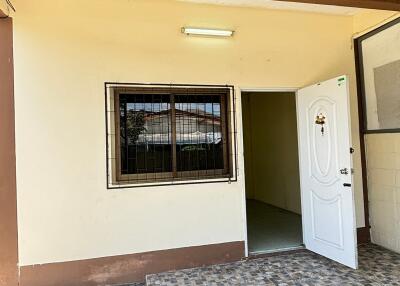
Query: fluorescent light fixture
{"type": "Point", "coordinates": [207, 32]}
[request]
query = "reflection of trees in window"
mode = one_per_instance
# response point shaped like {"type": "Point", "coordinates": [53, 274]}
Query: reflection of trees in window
{"type": "Point", "coordinates": [134, 125]}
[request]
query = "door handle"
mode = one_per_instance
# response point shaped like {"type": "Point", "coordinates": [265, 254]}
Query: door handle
{"type": "Point", "coordinates": [344, 171]}
{"type": "Point", "coordinates": [346, 185]}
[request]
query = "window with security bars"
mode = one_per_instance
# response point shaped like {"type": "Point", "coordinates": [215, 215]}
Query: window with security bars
{"type": "Point", "coordinates": [167, 134]}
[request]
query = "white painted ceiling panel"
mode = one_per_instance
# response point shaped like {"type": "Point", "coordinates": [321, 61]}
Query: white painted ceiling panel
{"type": "Point", "coordinates": [271, 4]}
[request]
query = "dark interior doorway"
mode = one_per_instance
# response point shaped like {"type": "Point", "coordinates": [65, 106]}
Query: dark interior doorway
{"type": "Point", "coordinates": [272, 171]}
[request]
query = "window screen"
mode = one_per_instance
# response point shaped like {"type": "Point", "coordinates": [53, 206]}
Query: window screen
{"type": "Point", "coordinates": [145, 133]}
{"type": "Point", "coordinates": [168, 134]}
{"type": "Point", "coordinates": [199, 138]}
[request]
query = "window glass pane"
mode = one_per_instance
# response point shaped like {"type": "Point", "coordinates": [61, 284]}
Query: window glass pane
{"type": "Point", "coordinates": [145, 128]}
{"type": "Point", "coordinates": [199, 144]}
{"type": "Point", "coordinates": [381, 79]}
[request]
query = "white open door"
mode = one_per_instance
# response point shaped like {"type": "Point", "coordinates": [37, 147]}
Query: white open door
{"type": "Point", "coordinates": [329, 226]}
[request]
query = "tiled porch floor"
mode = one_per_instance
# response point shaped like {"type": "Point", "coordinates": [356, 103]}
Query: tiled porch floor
{"type": "Point", "coordinates": [377, 266]}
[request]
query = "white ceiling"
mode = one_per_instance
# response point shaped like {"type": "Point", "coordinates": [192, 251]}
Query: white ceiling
{"type": "Point", "coordinates": [271, 4]}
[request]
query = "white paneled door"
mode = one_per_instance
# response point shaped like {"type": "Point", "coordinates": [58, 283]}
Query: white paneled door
{"type": "Point", "coordinates": [329, 226]}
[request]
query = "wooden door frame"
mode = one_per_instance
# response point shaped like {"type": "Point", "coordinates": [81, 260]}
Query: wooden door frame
{"type": "Point", "coordinates": [363, 233]}
{"type": "Point", "coordinates": [9, 272]}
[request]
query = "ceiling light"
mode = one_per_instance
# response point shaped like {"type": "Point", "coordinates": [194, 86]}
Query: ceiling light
{"type": "Point", "coordinates": [207, 32]}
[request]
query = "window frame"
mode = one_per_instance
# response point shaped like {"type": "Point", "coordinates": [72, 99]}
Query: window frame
{"type": "Point", "coordinates": [361, 91]}
{"type": "Point", "coordinates": [115, 178]}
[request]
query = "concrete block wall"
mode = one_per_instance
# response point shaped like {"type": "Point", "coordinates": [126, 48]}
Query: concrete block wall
{"type": "Point", "coordinates": [383, 169]}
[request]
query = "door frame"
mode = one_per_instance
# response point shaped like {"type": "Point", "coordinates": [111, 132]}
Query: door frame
{"type": "Point", "coordinates": [363, 234]}
{"type": "Point", "coordinates": [241, 145]}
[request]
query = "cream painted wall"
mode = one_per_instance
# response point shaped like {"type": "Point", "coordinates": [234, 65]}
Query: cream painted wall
{"type": "Point", "coordinates": [3, 6]}
{"type": "Point", "coordinates": [367, 20]}
{"type": "Point", "coordinates": [383, 162]}
{"type": "Point", "coordinates": [270, 148]}
{"type": "Point", "coordinates": [64, 52]}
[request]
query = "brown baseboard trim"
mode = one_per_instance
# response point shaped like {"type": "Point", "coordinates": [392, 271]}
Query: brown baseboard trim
{"type": "Point", "coordinates": [363, 235]}
{"type": "Point", "coordinates": [128, 268]}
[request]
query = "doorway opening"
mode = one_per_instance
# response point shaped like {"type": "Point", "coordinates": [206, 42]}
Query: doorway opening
{"type": "Point", "coordinates": [271, 158]}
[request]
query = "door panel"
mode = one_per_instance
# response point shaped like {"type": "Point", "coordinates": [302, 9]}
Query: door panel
{"type": "Point", "coordinates": [325, 170]}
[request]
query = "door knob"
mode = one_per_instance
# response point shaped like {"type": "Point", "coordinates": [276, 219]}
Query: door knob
{"type": "Point", "coordinates": [344, 171]}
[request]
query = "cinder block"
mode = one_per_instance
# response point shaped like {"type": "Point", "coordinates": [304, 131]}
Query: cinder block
{"type": "Point", "coordinates": [382, 193]}
{"type": "Point", "coordinates": [381, 177]}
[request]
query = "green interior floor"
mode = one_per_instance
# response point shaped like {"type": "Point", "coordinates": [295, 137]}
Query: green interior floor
{"type": "Point", "coordinates": [271, 228]}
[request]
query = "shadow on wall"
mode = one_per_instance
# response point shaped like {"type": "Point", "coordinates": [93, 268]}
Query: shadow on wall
{"type": "Point", "coordinates": [270, 147]}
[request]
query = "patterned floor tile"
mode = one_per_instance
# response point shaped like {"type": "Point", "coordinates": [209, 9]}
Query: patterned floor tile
{"type": "Point", "coordinates": [378, 267]}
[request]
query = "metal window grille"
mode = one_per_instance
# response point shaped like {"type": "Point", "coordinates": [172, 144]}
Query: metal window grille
{"type": "Point", "coordinates": [169, 134]}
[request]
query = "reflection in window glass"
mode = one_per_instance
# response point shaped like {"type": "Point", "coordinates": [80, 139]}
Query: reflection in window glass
{"type": "Point", "coordinates": [199, 144]}
{"type": "Point", "coordinates": [172, 134]}
{"type": "Point", "coordinates": [145, 129]}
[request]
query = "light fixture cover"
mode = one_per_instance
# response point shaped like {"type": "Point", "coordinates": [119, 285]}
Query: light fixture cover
{"type": "Point", "coordinates": [207, 32]}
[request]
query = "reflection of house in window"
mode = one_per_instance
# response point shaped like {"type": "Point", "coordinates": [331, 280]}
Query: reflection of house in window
{"type": "Point", "coordinates": [169, 135]}
{"type": "Point", "coordinates": [191, 126]}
